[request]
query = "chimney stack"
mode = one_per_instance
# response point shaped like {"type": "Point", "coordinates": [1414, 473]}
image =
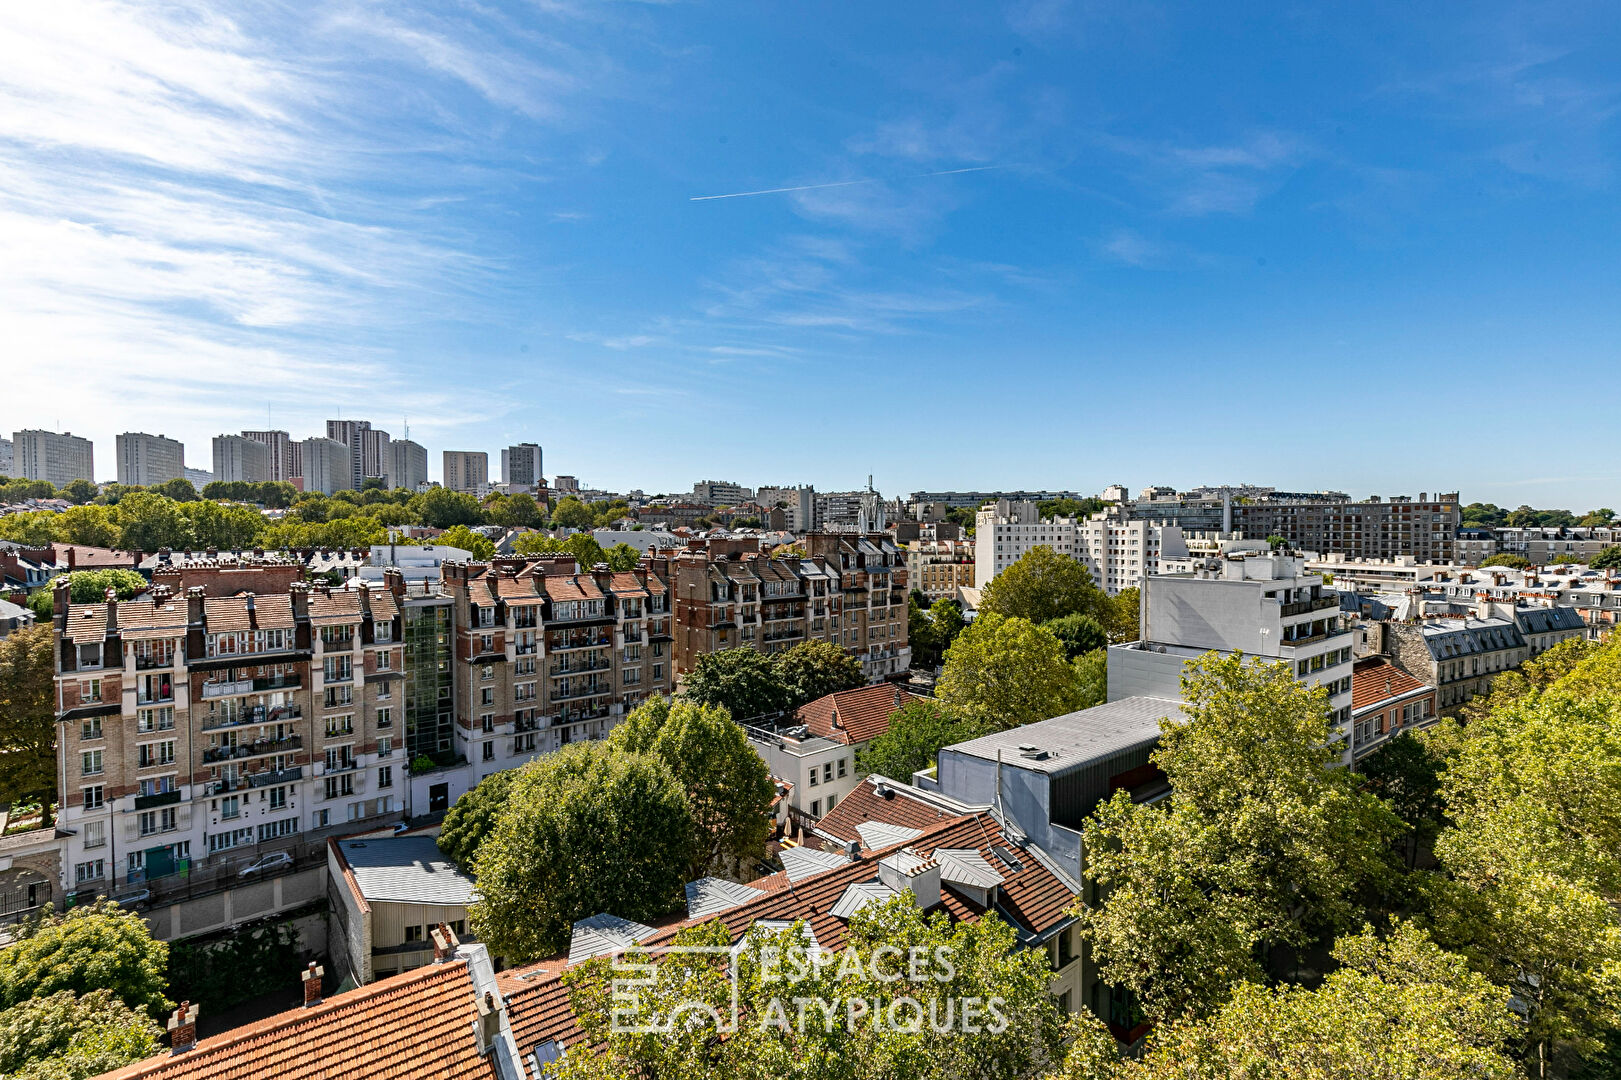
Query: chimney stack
{"type": "Point", "coordinates": [183, 1028]}
{"type": "Point", "coordinates": [444, 943]}
{"type": "Point", "coordinates": [312, 984]}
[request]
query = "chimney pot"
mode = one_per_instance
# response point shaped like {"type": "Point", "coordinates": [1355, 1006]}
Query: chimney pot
{"type": "Point", "coordinates": [312, 984]}
{"type": "Point", "coordinates": [183, 1028]}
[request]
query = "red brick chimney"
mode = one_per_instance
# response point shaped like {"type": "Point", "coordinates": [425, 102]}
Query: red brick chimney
{"type": "Point", "coordinates": [312, 984]}
{"type": "Point", "coordinates": [183, 1028]}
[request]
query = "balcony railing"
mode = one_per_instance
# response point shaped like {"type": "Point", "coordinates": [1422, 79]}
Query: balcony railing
{"type": "Point", "coordinates": [579, 715]}
{"type": "Point", "coordinates": [1301, 607]}
{"type": "Point", "coordinates": [162, 798]}
{"type": "Point", "coordinates": [530, 649]}
{"type": "Point", "coordinates": [227, 689]}
{"type": "Point", "coordinates": [267, 779]}
{"type": "Point", "coordinates": [558, 670]}
{"type": "Point", "coordinates": [257, 748]}
{"type": "Point", "coordinates": [592, 642]}
{"type": "Point", "coordinates": [255, 714]}
{"type": "Point", "coordinates": [575, 694]}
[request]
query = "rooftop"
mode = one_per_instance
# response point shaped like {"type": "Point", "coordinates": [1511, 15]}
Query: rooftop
{"type": "Point", "coordinates": [1078, 738]}
{"type": "Point", "coordinates": [405, 870]}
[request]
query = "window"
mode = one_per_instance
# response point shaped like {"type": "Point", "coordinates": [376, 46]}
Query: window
{"type": "Point", "coordinates": [154, 754]}
{"type": "Point", "coordinates": [95, 833]}
{"type": "Point", "coordinates": [157, 821]}
{"type": "Point", "coordinates": [489, 751]}
{"type": "Point", "coordinates": [832, 801]}
{"type": "Point", "coordinates": [94, 870]}
{"type": "Point", "coordinates": [150, 720]}
{"type": "Point", "coordinates": [338, 697]}
{"type": "Point", "coordinates": [816, 808]}
{"type": "Point", "coordinates": [230, 807]}
{"type": "Point", "coordinates": [385, 747]}
{"type": "Point", "coordinates": [339, 758]}
{"type": "Point", "coordinates": [278, 798]}
{"type": "Point", "coordinates": [486, 722]}
{"type": "Point", "coordinates": [841, 766]}
{"type": "Point", "coordinates": [323, 818]}
{"type": "Point", "coordinates": [486, 696]}
{"type": "Point", "coordinates": [92, 795]}
{"type": "Point", "coordinates": [827, 773]}
{"type": "Point", "coordinates": [90, 763]}
{"type": "Point", "coordinates": [384, 659]}
{"type": "Point", "coordinates": [276, 829]}
{"type": "Point", "coordinates": [385, 776]}
{"type": "Point", "coordinates": [338, 787]}
{"type": "Point", "coordinates": [224, 841]}
{"type": "Point", "coordinates": [90, 690]}
{"type": "Point", "coordinates": [413, 933]}
{"type": "Point", "coordinates": [339, 725]}
{"type": "Point", "coordinates": [814, 773]}
{"type": "Point", "coordinates": [91, 728]}
{"type": "Point", "coordinates": [385, 718]}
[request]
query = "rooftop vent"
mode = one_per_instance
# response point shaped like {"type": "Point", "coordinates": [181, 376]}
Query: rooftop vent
{"type": "Point", "coordinates": [883, 791]}
{"type": "Point", "coordinates": [1034, 753]}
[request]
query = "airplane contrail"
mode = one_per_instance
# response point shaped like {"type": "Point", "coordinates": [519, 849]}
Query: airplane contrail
{"type": "Point", "coordinates": [843, 183]}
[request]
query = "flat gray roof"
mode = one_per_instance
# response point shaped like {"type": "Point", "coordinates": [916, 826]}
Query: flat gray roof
{"type": "Point", "coordinates": [406, 870]}
{"type": "Point", "coordinates": [1079, 737]}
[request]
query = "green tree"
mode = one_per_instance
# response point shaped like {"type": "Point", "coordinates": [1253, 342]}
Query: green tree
{"type": "Point", "coordinates": [179, 489]}
{"type": "Point", "coordinates": [79, 492]}
{"type": "Point", "coordinates": [28, 704]}
{"type": "Point", "coordinates": [1092, 673]}
{"type": "Point", "coordinates": [65, 1036]}
{"type": "Point", "coordinates": [743, 681]}
{"type": "Point", "coordinates": [1069, 508]}
{"type": "Point", "coordinates": [1263, 844]}
{"type": "Point", "coordinates": [93, 526]}
{"type": "Point", "coordinates": [148, 521]}
{"type": "Point", "coordinates": [586, 830]}
{"type": "Point", "coordinates": [958, 962]}
{"type": "Point", "coordinates": [31, 528]}
{"type": "Point", "coordinates": [223, 526]}
{"type": "Point", "coordinates": [814, 669]}
{"type": "Point", "coordinates": [96, 947]}
{"type": "Point", "coordinates": [1042, 586]}
{"type": "Point", "coordinates": [622, 557]}
{"type": "Point", "coordinates": [472, 818]}
{"type": "Point", "coordinates": [917, 731]}
{"type": "Point", "coordinates": [1078, 634]}
{"type": "Point", "coordinates": [1275, 541]}
{"type": "Point", "coordinates": [1124, 614]}
{"type": "Point", "coordinates": [90, 586]}
{"type": "Point", "coordinates": [571, 513]}
{"type": "Point", "coordinates": [441, 508]}
{"type": "Point", "coordinates": [1006, 672]}
{"type": "Point", "coordinates": [460, 536]}
{"type": "Point", "coordinates": [1508, 559]}
{"type": "Point", "coordinates": [514, 511]}
{"type": "Point", "coordinates": [1397, 1009]}
{"type": "Point", "coordinates": [1406, 773]}
{"type": "Point", "coordinates": [728, 786]}
{"type": "Point", "coordinates": [1608, 559]}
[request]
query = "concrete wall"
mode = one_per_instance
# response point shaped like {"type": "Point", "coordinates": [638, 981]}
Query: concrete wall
{"type": "Point", "coordinates": [1138, 673]}
{"type": "Point", "coordinates": [1214, 614]}
{"type": "Point", "coordinates": [222, 910]}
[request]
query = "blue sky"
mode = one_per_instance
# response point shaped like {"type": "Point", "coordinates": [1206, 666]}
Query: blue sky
{"type": "Point", "coordinates": [1294, 247]}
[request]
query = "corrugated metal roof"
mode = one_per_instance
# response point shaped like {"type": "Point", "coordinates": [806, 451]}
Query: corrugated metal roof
{"type": "Point", "coordinates": [713, 895]}
{"type": "Point", "coordinates": [603, 934]}
{"type": "Point", "coordinates": [802, 862]}
{"type": "Point", "coordinates": [966, 866]}
{"type": "Point", "coordinates": [406, 870]}
{"type": "Point", "coordinates": [881, 834]}
{"type": "Point", "coordinates": [859, 895]}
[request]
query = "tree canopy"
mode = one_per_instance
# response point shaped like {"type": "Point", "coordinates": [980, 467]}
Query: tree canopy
{"type": "Point", "coordinates": [68, 1036]}
{"type": "Point", "coordinates": [728, 786]}
{"type": "Point", "coordinates": [1508, 559]}
{"type": "Point", "coordinates": [97, 947]}
{"type": "Point", "coordinates": [1006, 672]}
{"type": "Point", "coordinates": [1078, 634]}
{"type": "Point", "coordinates": [472, 818]}
{"type": "Point", "coordinates": [742, 681]}
{"type": "Point", "coordinates": [1262, 843]}
{"type": "Point", "coordinates": [814, 669]}
{"type": "Point", "coordinates": [1041, 586]}
{"type": "Point", "coordinates": [90, 586]}
{"type": "Point", "coordinates": [28, 704]}
{"type": "Point", "coordinates": [917, 731]}
{"type": "Point", "coordinates": [588, 829]}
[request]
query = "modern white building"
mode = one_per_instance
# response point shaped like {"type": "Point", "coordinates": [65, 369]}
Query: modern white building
{"type": "Point", "coordinates": [238, 458]}
{"type": "Point", "coordinates": [1265, 606]}
{"type": "Point", "coordinates": [1118, 550]}
{"type": "Point", "coordinates": [799, 505]}
{"type": "Point", "coordinates": [467, 471]}
{"type": "Point", "coordinates": [145, 460]}
{"type": "Point", "coordinates": [369, 453]}
{"type": "Point", "coordinates": [720, 493]}
{"type": "Point", "coordinates": [6, 464]}
{"type": "Point", "coordinates": [328, 465]}
{"type": "Point", "coordinates": [46, 455]}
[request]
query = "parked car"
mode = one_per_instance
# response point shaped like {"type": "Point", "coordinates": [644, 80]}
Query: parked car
{"type": "Point", "coordinates": [276, 860]}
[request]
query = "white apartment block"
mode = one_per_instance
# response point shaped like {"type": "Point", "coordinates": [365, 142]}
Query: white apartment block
{"type": "Point", "coordinates": [240, 459]}
{"type": "Point", "coordinates": [328, 465]}
{"type": "Point", "coordinates": [720, 493]}
{"type": "Point", "coordinates": [285, 462]}
{"type": "Point", "coordinates": [1119, 551]}
{"type": "Point", "coordinates": [145, 460]}
{"type": "Point", "coordinates": [521, 467]}
{"type": "Point", "coordinates": [410, 466]}
{"type": "Point", "coordinates": [5, 457]}
{"type": "Point", "coordinates": [1265, 606]}
{"type": "Point", "coordinates": [47, 455]}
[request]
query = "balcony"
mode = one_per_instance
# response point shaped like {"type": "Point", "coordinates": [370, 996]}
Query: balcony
{"type": "Point", "coordinates": [150, 802]}
{"type": "Point", "coordinates": [254, 714]}
{"type": "Point", "coordinates": [584, 641]}
{"type": "Point", "coordinates": [154, 663]}
{"type": "Point", "coordinates": [227, 689]}
{"type": "Point", "coordinates": [269, 779]}
{"type": "Point", "coordinates": [347, 765]}
{"type": "Point", "coordinates": [574, 694]}
{"type": "Point", "coordinates": [578, 715]}
{"type": "Point", "coordinates": [558, 670]}
{"type": "Point", "coordinates": [257, 748]}
{"type": "Point", "coordinates": [1301, 607]}
{"type": "Point", "coordinates": [528, 649]}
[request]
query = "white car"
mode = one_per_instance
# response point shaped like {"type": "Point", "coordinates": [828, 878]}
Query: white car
{"type": "Point", "coordinates": [276, 860]}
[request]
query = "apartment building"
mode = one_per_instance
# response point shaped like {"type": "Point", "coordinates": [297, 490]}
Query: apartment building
{"type": "Point", "coordinates": [977, 499]}
{"type": "Point", "coordinates": [545, 654]}
{"type": "Point", "coordinates": [410, 464]}
{"type": "Point", "coordinates": [1117, 549]}
{"type": "Point", "coordinates": [1386, 701]}
{"type": "Point", "coordinates": [370, 455]}
{"type": "Point", "coordinates": [938, 567]}
{"type": "Point", "coordinates": [1267, 606]}
{"type": "Point", "coordinates": [1460, 648]}
{"type": "Point", "coordinates": [239, 458]}
{"type": "Point", "coordinates": [798, 505]}
{"type": "Point", "coordinates": [232, 715]}
{"type": "Point", "coordinates": [7, 462]}
{"type": "Point", "coordinates": [467, 471]}
{"type": "Point", "coordinates": [522, 467]}
{"type": "Point", "coordinates": [1425, 528]}
{"type": "Point", "coordinates": [286, 462]}
{"type": "Point", "coordinates": [145, 460]}
{"type": "Point", "coordinates": [47, 455]}
{"type": "Point", "coordinates": [720, 493]}
{"type": "Point", "coordinates": [849, 590]}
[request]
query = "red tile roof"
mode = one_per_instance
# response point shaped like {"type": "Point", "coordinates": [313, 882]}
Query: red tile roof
{"type": "Point", "coordinates": [415, 1026]}
{"type": "Point", "coordinates": [1380, 682]}
{"type": "Point", "coordinates": [863, 804]}
{"type": "Point", "coordinates": [576, 587]}
{"type": "Point", "coordinates": [854, 716]}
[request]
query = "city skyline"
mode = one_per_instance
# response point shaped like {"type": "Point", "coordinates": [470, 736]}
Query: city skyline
{"type": "Point", "coordinates": [955, 249]}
